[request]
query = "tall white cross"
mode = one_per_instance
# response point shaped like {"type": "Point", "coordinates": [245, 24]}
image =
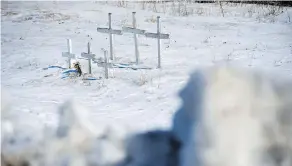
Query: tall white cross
{"type": "Point", "coordinates": [69, 54]}
{"type": "Point", "coordinates": [110, 31]}
{"type": "Point", "coordinates": [158, 36]}
{"type": "Point", "coordinates": [135, 31]}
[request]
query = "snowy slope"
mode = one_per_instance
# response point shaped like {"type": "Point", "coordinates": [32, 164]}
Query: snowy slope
{"type": "Point", "coordinates": [33, 36]}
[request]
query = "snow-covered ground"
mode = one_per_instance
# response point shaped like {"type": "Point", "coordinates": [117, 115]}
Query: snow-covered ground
{"type": "Point", "coordinates": [33, 36]}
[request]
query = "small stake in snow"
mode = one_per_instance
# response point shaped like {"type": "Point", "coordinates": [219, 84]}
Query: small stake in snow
{"type": "Point", "coordinates": [158, 36]}
{"type": "Point", "coordinates": [110, 35]}
{"type": "Point", "coordinates": [89, 56]}
{"type": "Point", "coordinates": [69, 54]}
{"type": "Point", "coordinates": [105, 63]}
{"type": "Point", "coordinates": [135, 31]}
{"type": "Point", "coordinates": [89, 60]}
{"type": "Point", "coordinates": [110, 31]}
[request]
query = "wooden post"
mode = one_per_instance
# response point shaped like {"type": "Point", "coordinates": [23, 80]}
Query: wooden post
{"type": "Point", "coordinates": [89, 56]}
{"type": "Point", "coordinates": [135, 40]}
{"type": "Point", "coordinates": [68, 54]}
{"type": "Point", "coordinates": [135, 31]}
{"type": "Point", "coordinates": [110, 31]}
{"type": "Point", "coordinates": [69, 46]}
{"type": "Point", "coordinates": [105, 64]}
{"type": "Point", "coordinates": [158, 36]}
{"type": "Point", "coordinates": [89, 60]}
{"type": "Point", "coordinates": [110, 36]}
{"type": "Point", "coordinates": [158, 42]}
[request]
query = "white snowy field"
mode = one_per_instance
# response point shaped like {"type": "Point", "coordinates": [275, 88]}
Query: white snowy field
{"type": "Point", "coordinates": [33, 36]}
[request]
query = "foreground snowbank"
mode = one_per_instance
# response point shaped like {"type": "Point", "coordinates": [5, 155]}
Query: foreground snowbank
{"type": "Point", "coordinates": [233, 117]}
{"type": "Point", "coordinates": [229, 117]}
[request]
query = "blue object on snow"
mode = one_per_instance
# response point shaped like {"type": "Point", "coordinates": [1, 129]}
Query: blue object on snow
{"type": "Point", "coordinates": [90, 79]}
{"type": "Point", "coordinates": [64, 77]}
{"type": "Point", "coordinates": [70, 71]}
{"type": "Point", "coordinates": [50, 67]}
{"type": "Point", "coordinates": [120, 65]}
{"type": "Point", "coordinates": [65, 73]}
{"type": "Point", "coordinates": [130, 67]}
{"type": "Point", "coordinates": [140, 67]}
{"type": "Point", "coordinates": [124, 64]}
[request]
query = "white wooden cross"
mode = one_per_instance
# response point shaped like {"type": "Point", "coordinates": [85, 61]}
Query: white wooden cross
{"type": "Point", "coordinates": [89, 56]}
{"type": "Point", "coordinates": [69, 54]}
{"type": "Point", "coordinates": [135, 31]}
{"type": "Point", "coordinates": [110, 31]}
{"type": "Point", "coordinates": [158, 36]}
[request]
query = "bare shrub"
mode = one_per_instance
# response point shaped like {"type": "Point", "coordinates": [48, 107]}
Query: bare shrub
{"type": "Point", "coordinates": [143, 5]}
{"type": "Point", "coordinates": [274, 10]}
{"type": "Point", "coordinates": [221, 8]}
{"type": "Point", "coordinates": [154, 7]}
{"type": "Point", "coordinates": [9, 13]}
{"type": "Point", "coordinates": [152, 19]}
{"type": "Point", "coordinates": [164, 7]}
{"type": "Point", "coordinates": [143, 79]}
{"type": "Point", "coordinates": [199, 11]}
{"type": "Point", "coordinates": [173, 8]}
{"type": "Point", "coordinates": [250, 11]}
{"type": "Point", "coordinates": [183, 10]}
{"type": "Point", "coordinates": [122, 3]}
{"type": "Point", "coordinates": [288, 16]}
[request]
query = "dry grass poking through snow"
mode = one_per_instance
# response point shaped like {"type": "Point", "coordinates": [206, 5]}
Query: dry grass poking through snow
{"type": "Point", "coordinates": [262, 12]}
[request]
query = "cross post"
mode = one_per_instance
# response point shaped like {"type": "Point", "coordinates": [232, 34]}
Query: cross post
{"type": "Point", "coordinates": [89, 56]}
{"type": "Point", "coordinates": [69, 54]}
{"type": "Point", "coordinates": [158, 36]}
{"type": "Point", "coordinates": [135, 31]}
{"type": "Point", "coordinates": [110, 31]}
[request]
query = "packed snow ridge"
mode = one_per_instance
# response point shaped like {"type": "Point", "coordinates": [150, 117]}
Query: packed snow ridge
{"type": "Point", "coordinates": [228, 117]}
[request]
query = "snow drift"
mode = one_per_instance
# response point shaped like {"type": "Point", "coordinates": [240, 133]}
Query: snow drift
{"type": "Point", "coordinates": [229, 117]}
{"type": "Point", "coordinates": [235, 117]}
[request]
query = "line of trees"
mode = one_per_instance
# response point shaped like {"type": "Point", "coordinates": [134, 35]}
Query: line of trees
{"type": "Point", "coordinates": [276, 3]}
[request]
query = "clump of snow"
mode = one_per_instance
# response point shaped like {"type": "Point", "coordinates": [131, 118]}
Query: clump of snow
{"type": "Point", "coordinates": [44, 16]}
{"type": "Point", "coordinates": [235, 117]}
{"type": "Point", "coordinates": [75, 142]}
